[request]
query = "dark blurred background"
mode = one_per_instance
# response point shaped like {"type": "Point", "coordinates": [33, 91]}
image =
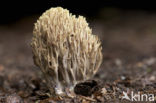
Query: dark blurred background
{"type": "Point", "coordinates": [11, 11]}
{"type": "Point", "coordinates": [126, 28]}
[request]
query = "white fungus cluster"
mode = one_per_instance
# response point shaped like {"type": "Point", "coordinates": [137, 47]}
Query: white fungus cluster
{"type": "Point", "coordinates": [65, 49]}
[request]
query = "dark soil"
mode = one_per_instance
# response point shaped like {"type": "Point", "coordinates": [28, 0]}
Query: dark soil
{"type": "Point", "coordinates": [129, 61]}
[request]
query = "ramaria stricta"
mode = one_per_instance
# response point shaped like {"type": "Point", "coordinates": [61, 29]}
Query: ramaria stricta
{"type": "Point", "coordinates": [65, 49]}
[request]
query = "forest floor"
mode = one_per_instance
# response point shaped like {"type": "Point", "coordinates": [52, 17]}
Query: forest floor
{"type": "Point", "coordinates": [129, 61]}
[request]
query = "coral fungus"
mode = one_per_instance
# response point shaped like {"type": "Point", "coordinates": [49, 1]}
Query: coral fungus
{"type": "Point", "coordinates": [65, 49]}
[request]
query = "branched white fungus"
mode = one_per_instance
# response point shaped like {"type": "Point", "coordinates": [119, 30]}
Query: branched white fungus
{"type": "Point", "coordinates": [65, 49]}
